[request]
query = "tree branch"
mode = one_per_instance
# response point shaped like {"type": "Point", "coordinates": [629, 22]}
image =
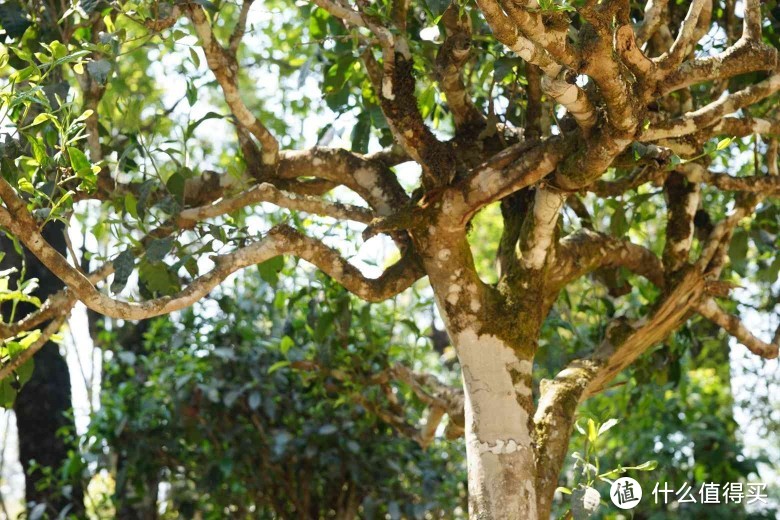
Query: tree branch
{"type": "Point", "coordinates": [539, 226]}
{"type": "Point", "coordinates": [751, 27]}
{"type": "Point", "coordinates": [30, 351]}
{"type": "Point", "coordinates": [266, 192]}
{"type": "Point", "coordinates": [240, 29]}
{"type": "Point", "coordinates": [654, 16]}
{"type": "Point", "coordinates": [682, 44]}
{"type": "Point", "coordinates": [585, 251]}
{"type": "Point", "coordinates": [710, 114]}
{"type": "Point", "coordinates": [682, 202]}
{"type": "Point", "coordinates": [732, 324]}
{"type": "Point", "coordinates": [452, 56]}
{"type": "Point", "coordinates": [766, 185]}
{"type": "Point", "coordinates": [225, 68]}
{"type": "Point", "coordinates": [512, 169]}
{"type": "Point", "coordinates": [745, 56]}
{"type": "Point", "coordinates": [279, 240]}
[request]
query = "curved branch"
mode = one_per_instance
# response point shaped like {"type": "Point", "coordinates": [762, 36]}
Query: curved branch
{"type": "Point", "coordinates": [654, 15]}
{"type": "Point", "coordinates": [682, 44]}
{"type": "Point", "coordinates": [58, 304]}
{"type": "Point", "coordinates": [240, 28]}
{"type": "Point", "coordinates": [682, 202]}
{"type": "Point", "coordinates": [583, 378]}
{"type": "Point", "coordinates": [514, 168]}
{"type": "Point", "coordinates": [710, 114]}
{"type": "Point", "coordinates": [732, 324]}
{"type": "Point", "coordinates": [538, 232]}
{"type": "Point", "coordinates": [585, 251]}
{"type": "Point", "coordinates": [745, 56]}
{"type": "Point", "coordinates": [766, 185]}
{"type": "Point", "coordinates": [573, 99]}
{"type": "Point", "coordinates": [450, 60]}
{"type": "Point", "coordinates": [629, 182]}
{"type": "Point", "coordinates": [26, 354]}
{"type": "Point", "coordinates": [267, 192]}
{"type": "Point", "coordinates": [278, 241]}
{"type": "Point", "coordinates": [369, 177]}
{"type": "Point", "coordinates": [225, 68]}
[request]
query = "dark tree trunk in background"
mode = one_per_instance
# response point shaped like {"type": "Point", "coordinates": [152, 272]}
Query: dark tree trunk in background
{"type": "Point", "coordinates": [43, 405]}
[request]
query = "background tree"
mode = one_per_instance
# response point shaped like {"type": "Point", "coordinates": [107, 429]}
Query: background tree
{"type": "Point", "coordinates": [43, 406]}
{"type": "Point", "coordinates": [589, 109]}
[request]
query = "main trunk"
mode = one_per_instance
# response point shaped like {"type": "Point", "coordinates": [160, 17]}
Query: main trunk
{"type": "Point", "coordinates": [499, 450]}
{"type": "Point", "coordinates": [496, 368]}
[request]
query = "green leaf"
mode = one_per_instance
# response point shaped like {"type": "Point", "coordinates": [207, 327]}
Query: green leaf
{"type": "Point", "coordinates": [26, 186]}
{"type": "Point", "coordinates": [83, 117]}
{"type": "Point", "coordinates": [564, 490]}
{"type": "Point", "coordinates": [437, 7]}
{"type": "Point", "coordinates": [131, 205]}
{"type": "Point", "coordinates": [194, 56]}
{"type": "Point", "coordinates": [328, 429]}
{"type": "Point", "coordinates": [650, 465]}
{"type": "Point", "coordinates": [738, 250]}
{"type": "Point", "coordinates": [158, 249]}
{"type": "Point", "coordinates": [254, 400]}
{"type": "Point", "coordinates": [502, 67]}
{"type": "Point", "coordinates": [618, 224]}
{"type": "Point", "coordinates": [89, 5]}
{"type": "Point", "coordinates": [724, 143]}
{"type": "Point", "coordinates": [41, 118]}
{"type": "Point", "coordinates": [124, 264]}
{"type": "Point", "coordinates": [39, 150]}
{"type": "Point", "coordinates": [286, 344]}
{"type": "Point", "coordinates": [607, 425]}
{"type": "Point", "coordinates": [269, 270]}
{"type": "Point", "coordinates": [276, 366]}
{"type": "Point", "coordinates": [361, 133]}
{"type": "Point", "coordinates": [324, 325]}
{"type": "Point", "coordinates": [25, 372]}
{"type": "Point", "coordinates": [79, 161]}
{"type": "Point", "coordinates": [175, 186]}
{"type": "Point", "coordinates": [7, 393]}
{"type": "Point", "coordinates": [231, 397]}
{"type": "Point", "coordinates": [195, 124]}
{"type": "Point", "coordinates": [592, 432]}
{"type": "Point", "coordinates": [99, 70]}
{"type": "Point", "coordinates": [158, 278]}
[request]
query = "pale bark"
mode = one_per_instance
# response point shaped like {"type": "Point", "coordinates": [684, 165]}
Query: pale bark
{"type": "Point", "coordinates": [499, 449]}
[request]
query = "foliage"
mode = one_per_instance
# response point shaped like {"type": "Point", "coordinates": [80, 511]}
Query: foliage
{"type": "Point", "coordinates": [212, 403]}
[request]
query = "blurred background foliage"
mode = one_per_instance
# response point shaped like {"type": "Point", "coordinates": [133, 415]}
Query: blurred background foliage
{"type": "Point", "coordinates": [212, 404]}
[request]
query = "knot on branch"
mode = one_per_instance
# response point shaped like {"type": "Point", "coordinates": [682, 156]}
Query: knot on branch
{"type": "Point", "coordinates": [409, 217]}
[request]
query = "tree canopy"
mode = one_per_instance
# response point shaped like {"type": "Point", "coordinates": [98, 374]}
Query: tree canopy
{"type": "Point", "coordinates": [598, 174]}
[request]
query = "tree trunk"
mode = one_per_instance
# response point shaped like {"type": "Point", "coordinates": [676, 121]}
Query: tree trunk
{"type": "Point", "coordinates": [499, 449]}
{"type": "Point", "coordinates": [43, 405]}
{"type": "Point", "coordinates": [496, 369]}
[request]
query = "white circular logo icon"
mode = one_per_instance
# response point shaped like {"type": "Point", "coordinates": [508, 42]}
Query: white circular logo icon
{"type": "Point", "coordinates": [625, 493]}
